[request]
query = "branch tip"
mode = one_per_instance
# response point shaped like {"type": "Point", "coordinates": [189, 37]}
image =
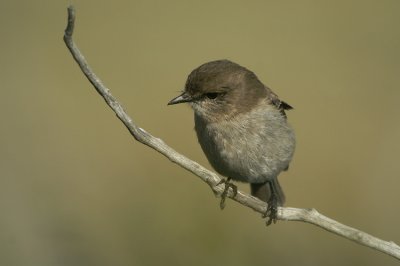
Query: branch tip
{"type": "Point", "coordinates": [71, 21]}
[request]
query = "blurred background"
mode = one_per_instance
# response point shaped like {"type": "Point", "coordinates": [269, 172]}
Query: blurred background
{"type": "Point", "coordinates": [76, 189]}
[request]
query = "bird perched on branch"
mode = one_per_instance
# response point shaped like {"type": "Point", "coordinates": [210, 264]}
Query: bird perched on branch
{"type": "Point", "coordinates": [242, 128]}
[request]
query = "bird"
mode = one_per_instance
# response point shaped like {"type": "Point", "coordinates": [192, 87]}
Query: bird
{"type": "Point", "coordinates": [242, 128]}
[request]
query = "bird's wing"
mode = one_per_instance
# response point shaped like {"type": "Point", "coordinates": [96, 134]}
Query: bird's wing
{"type": "Point", "coordinates": [281, 105]}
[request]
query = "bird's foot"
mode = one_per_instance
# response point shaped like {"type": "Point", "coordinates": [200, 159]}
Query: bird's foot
{"type": "Point", "coordinates": [228, 185]}
{"type": "Point", "coordinates": [272, 209]}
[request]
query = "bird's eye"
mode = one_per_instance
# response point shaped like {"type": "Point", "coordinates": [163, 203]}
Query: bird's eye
{"type": "Point", "coordinates": [212, 95]}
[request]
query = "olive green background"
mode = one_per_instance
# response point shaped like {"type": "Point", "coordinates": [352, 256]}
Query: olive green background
{"type": "Point", "coordinates": [76, 189]}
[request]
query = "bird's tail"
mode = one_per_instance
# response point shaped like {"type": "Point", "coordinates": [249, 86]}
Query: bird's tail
{"type": "Point", "coordinates": [263, 191]}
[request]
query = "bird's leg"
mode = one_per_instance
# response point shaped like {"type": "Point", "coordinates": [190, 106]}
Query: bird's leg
{"type": "Point", "coordinates": [272, 209]}
{"type": "Point", "coordinates": [228, 185]}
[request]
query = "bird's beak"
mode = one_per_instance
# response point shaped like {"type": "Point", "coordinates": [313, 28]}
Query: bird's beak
{"type": "Point", "coordinates": [183, 98]}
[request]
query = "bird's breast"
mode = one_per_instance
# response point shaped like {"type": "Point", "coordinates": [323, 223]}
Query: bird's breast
{"type": "Point", "coordinates": [249, 147]}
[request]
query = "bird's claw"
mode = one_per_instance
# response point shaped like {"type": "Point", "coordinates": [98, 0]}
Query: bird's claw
{"type": "Point", "coordinates": [224, 194]}
{"type": "Point", "coordinates": [272, 210]}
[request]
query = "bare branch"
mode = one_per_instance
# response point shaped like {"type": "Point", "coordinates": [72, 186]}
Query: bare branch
{"type": "Point", "coordinates": [284, 213]}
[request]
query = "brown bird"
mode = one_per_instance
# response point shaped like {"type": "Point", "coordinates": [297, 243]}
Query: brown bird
{"type": "Point", "coordinates": [242, 128]}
